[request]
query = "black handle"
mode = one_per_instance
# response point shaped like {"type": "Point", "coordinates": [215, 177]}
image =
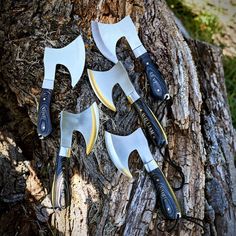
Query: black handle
{"type": "Point", "coordinates": [44, 126]}
{"type": "Point", "coordinates": [150, 123]}
{"type": "Point", "coordinates": [158, 86]}
{"type": "Point", "coordinates": [60, 188]}
{"type": "Point", "coordinates": [168, 202]}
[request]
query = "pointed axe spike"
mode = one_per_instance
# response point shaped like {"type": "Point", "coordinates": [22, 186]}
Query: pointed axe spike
{"type": "Point", "coordinates": [86, 122]}
{"type": "Point", "coordinates": [71, 56]}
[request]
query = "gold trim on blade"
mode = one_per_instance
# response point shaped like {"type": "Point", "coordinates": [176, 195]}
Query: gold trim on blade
{"type": "Point", "coordinates": [130, 100]}
{"type": "Point", "coordinates": [93, 132]}
{"type": "Point", "coordinates": [53, 191]}
{"type": "Point", "coordinates": [127, 173]}
{"type": "Point", "coordinates": [68, 152]}
{"type": "Point", "coordinates": [99, 92]}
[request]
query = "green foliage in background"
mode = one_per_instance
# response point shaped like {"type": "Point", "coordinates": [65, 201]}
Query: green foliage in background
{"type": "Point", "coordinates": [230, 80]}
{"type": "Point", "coordinates": [206, 26]}
{"type": "Point", "coordinates": [203, 26]}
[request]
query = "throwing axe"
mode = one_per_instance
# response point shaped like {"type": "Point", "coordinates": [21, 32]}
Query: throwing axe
{"type": "Point", "coordinates": [87, 123]}
{"type": "Point", "coordinates": [119, 149]}
{"type": "Point", "coordinates": [103, 82]}
{"type": "Point", "coordinates": [106, 37]}
{"type": "Point", "coordinates": [73, 58]}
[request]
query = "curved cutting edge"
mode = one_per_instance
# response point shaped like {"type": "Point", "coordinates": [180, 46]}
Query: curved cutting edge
{"type": "Point", "coordinates": [98, 82]}
{"type": "Point", "coordinates": [77, 68]}
{"type": "Point", "coordinates": [86, 122]}
{"type": "Point", "coordinates": [95, 127]}
{"type": "Point", "coordinates": [110, 51]}
{"type": "Point", "coordinates": [121, 162]}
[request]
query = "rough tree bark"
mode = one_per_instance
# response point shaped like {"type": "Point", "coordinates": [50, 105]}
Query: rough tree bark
{"type": "Point", "coordinates": [200, 133]}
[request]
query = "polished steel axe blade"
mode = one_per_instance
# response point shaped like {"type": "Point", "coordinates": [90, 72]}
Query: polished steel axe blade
{"type": "Point", "coordinates": [106, 37]}
{"type": "Point", "coordinates": [72, 57]}
{"type": "Point", "coordinates": [119, 149]}
{"type": "Point", "coordinates": [103, 82]}
{"type": "Point", "coordinates": [87, 123]}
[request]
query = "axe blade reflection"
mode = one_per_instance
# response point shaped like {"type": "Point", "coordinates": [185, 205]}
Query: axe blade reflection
{"type": "Point", "coordinates": [107, 35]}
{"type": "Point", "coordinates": [71, 56]}
{"type": "Point", "coordinates": [86, 122]}
{"type": "Point", "coordinates": [120, 147]}
{"type": "Point", "coordinates": [103, 82]}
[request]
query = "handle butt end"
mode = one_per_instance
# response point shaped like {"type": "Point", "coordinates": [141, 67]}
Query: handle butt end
{"type": "Point", "coordinates": [165, 194]}
{"type": "Point", "coordinates": [157, 83]}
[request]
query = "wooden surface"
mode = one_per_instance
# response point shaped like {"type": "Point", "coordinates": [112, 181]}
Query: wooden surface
{"type": "Point", "coordinates": [104, 202]}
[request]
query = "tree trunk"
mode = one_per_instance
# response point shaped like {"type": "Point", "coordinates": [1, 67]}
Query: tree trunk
{"type": "Point", "coordinates": [201, 138]}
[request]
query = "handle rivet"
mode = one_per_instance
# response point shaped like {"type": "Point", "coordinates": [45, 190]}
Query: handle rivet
{"type": "Point", "coordinates": [158, 90]}
{"type": "Point", "coordinates": [44, 99]}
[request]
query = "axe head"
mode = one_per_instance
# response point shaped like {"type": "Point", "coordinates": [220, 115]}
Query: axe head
{"type": "Point", "coordinates": [120, 147]}
{"type": "Point", "coordinates": [103, 82]}
{"type": "Point", "coordinates": [107, 35]}
{"type": "Point", "coordinates": [86, 122]}
{"type": "Point", "coordinates": [72, 57]}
